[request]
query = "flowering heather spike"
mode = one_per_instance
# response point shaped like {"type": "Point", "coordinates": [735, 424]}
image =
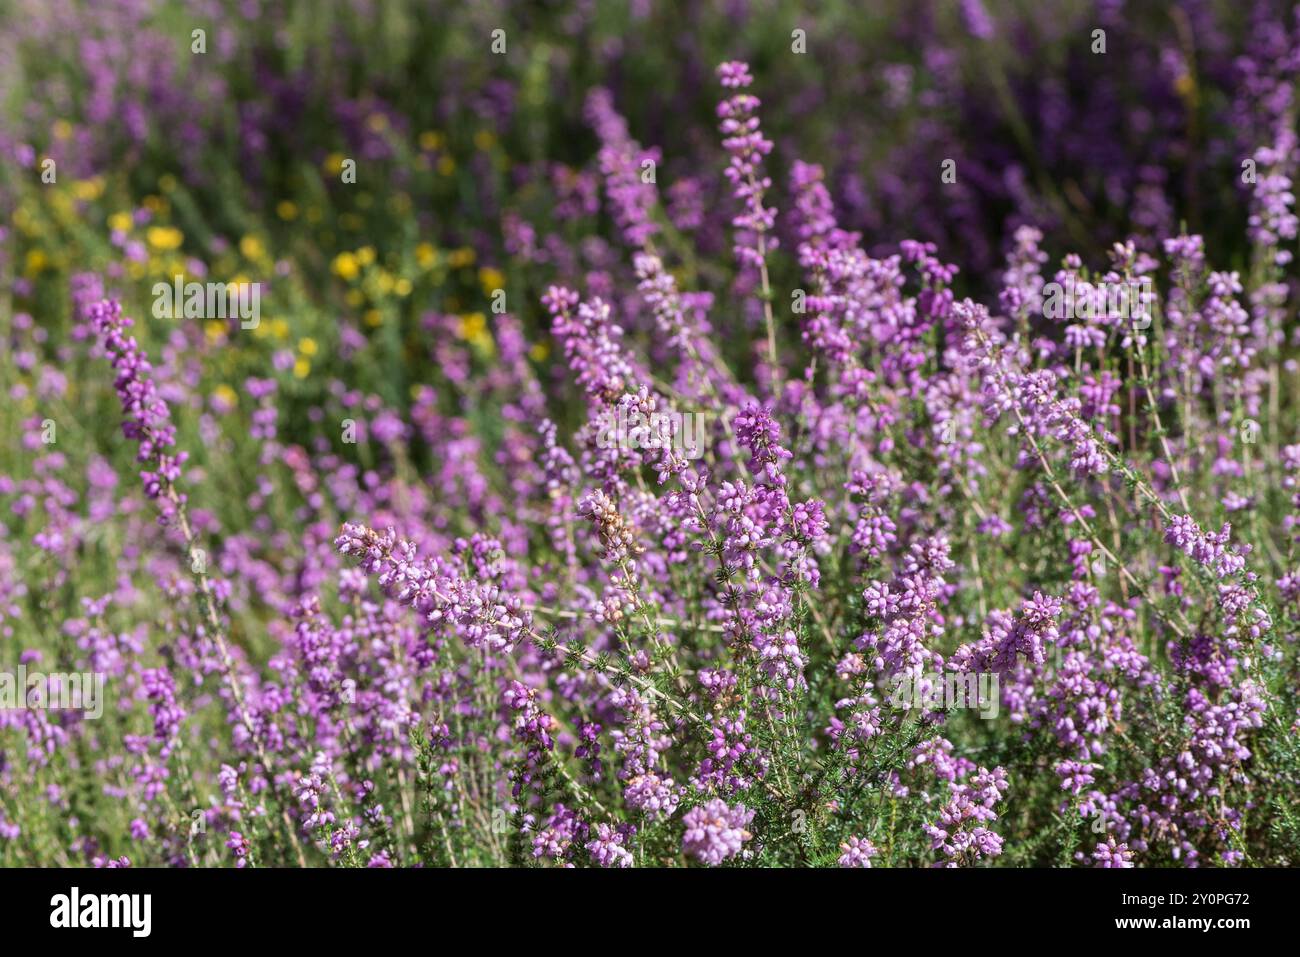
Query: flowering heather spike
{"type": "Point", "coordinates": [616, 535]}
{"type": "Point", "coordinates": [477, 611]}
{"type": "Point", "coordinates": [977, 19]}
{"type": "Point", "coordinates": [960, 833]}
{"type": "Point", "coordinates": [1022, 282]}
{"type": "Point", "coordinates": [146, 418]}
{"type": "Point", "coordinates": [746, 147]}
{"type": "Point", "coordinates": [1209, 549]}
{"type": "Point", "coordinates": [1273, 220]}
{"type": "Point", "coordinates": [701, 368]}
{"type": "Point", "coordinates": [716, 832]}
{"type": "Point", "coordinates": [591, 343]}
{"type": "Point", "coordinates": [857, 853]}
{"type": "Point", "coordinates": [814, 212]}
{"type": "Point", "coordinates": [1112, 854]}
{"type": "Point", "coordinates": [758, 433]}
{"type": "Point", "coordinates": [608, 848]}
{"type": "Point", "coordinates": [622, 162]}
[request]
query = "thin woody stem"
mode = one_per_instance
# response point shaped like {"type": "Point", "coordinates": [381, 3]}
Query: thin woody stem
{"type": "Point", "coordinates": [1061, 494]}
{"type": "Point", "coordinates": [208, 606]}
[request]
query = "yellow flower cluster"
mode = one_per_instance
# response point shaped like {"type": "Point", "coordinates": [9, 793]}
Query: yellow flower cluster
{"type": "Point", "coordinates": [473, 329]}
{"type": "Point", "coordinates": [164, 238]}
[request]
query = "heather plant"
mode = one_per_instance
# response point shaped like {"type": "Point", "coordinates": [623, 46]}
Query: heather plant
{"type": "Point", "coordinates": [428, 566]}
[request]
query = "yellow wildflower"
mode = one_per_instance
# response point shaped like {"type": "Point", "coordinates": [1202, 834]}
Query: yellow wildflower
{"type": "Point", "coordinates": [88, 190]}
{"type": "Point", "coordinates": [164, 237]}
{"type": "Point", "coordinates": [473, 329]}
{"type": "Point", "coordinates": [252, 247]}
{"type": "Point", "coordinates": [345, 266]}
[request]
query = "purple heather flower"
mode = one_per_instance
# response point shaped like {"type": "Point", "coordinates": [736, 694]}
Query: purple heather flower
{"type": "Point", "coordinates": [608, 847]}
{"type": "Point", "coordinates": [239, 847]}
{"type": "Point", "coordinates": [1076, 775]}
{"type": "Point", "coordinates": [146, 418]}
{"type": "Point", "coordinates": [857, 852]}
{"type": "Point", "coordinates": [977, 20]}
{"type": "Point", "coordinates": [622, 162]}
{"type": "Point", "coordinates": [1206, 548]}
{"type": "Point", "coordinates": [716, 832]}
{"type": "Point", "coordinates": [656, 796]}
{"type": "Point", "coordinates": [1112, 854]}
{"type": "Point", "coordinates": [476, 609]}
{"type": "Point", "coordinates": [746, 146]}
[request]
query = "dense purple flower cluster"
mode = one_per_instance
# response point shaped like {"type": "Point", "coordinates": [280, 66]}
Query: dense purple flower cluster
{"type": "Point", "coordinates": [857, 853]}
{"type": "Point", "coordinates": [746, 146]}
{"type": "Point", "coordinates": [444, 593]}
{"type": "Point", "coordinates": [824, 553]}
{"type": "Point", "coordinates": [146, 420]}
{"type": "Point", "coordinates": [961, 833]}
{"type": "Point", "coordinates": [716, 832]}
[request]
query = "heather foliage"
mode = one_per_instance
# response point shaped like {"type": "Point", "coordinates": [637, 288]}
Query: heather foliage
{"type": "Point", "coordinates": [768, 492]}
